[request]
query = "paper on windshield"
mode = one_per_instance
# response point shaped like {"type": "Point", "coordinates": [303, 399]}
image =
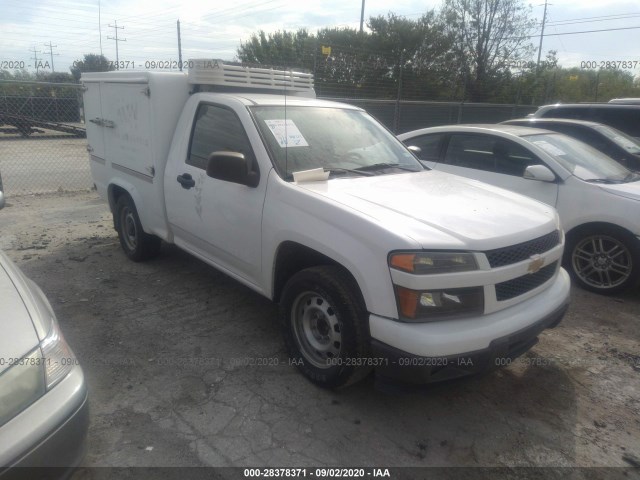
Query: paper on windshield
{"type": "Point", "coordinates": [286, 133]}
{"type": "Point", "coordinates": [550, 149]}
{"type": "Point", "coordinates": [313, 175]}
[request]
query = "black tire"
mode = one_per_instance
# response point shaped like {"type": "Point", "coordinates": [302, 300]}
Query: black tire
{"type": "Point", "coordinates": [137, 244]}
{"type": "Point", "coordinates": [330, 301]}
{"type": "Point", "coordinates": [603, 260]}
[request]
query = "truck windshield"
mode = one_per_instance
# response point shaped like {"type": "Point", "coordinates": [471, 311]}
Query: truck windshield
{"type": "Point", "coordinates": [339, 140]}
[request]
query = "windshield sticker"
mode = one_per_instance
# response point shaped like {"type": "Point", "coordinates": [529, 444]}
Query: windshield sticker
{"type": "Point", "coordinates": [286, 133]}
{"type": "Point", "coordinates": [550, 149]}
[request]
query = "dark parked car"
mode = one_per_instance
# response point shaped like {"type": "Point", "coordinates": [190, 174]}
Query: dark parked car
{"type": "Point", "coordinates": [610, 141]}
{"type": "Point", "coordinates": [624, 117]}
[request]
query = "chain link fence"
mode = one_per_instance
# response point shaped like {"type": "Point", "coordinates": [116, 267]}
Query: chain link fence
{"type": "Point", "coordinates": [43, 144]}
{"type": "Point", "coordinates": [42, 138]}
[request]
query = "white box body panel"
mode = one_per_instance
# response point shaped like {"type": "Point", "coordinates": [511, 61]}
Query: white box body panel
{"type": "Point", "coordinates": [131, 119]}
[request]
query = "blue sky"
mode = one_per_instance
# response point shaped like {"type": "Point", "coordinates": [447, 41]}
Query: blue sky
{"type": "Point", "coordinates": [214, 29]}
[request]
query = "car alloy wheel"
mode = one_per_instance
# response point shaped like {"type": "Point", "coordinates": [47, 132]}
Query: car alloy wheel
{"type": "Point", "coordinates": [602, 261]}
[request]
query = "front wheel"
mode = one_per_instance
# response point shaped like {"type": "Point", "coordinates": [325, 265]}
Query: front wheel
{"type": "Point", "coordinates": [325, 327]}
{"type": "Point", "coordinates": [604, 261]}
{"type": "Point", "coordinates": [137, 244]}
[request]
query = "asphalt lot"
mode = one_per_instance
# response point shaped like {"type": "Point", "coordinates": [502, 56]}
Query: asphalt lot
{"type": "Point", "coordinates": [186, 367]}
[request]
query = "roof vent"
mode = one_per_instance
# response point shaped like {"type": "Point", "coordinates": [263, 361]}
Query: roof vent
{"type": "Point", "coordinates": [218, 73]}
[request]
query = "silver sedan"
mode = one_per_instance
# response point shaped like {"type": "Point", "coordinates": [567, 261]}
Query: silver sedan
{"type": "Point", "coordinates": [43, 396]}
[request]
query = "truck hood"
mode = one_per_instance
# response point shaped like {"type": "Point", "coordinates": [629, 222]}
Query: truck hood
{"type": "Point", "coordinates": [438, 209]}
{"type": "Point", "coordinates": [18, 336]}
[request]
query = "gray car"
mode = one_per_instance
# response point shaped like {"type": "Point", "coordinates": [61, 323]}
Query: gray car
{"type": "Point", "coordinates": [43, 396]}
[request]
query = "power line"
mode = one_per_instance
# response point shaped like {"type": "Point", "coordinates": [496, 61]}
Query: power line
{"type": "Point", "coordinates": [570, 33]}
{"type": "Point", "coordinates": [585, 31]}
{"type": "Point", "coordinates": [599, 18]}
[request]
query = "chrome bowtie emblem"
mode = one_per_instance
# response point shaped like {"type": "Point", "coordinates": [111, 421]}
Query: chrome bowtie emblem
{"type": "Point", "coordinates": [536, 263]}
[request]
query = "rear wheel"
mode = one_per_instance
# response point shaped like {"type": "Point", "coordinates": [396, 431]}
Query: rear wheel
{"type": "Point", "coordinates": [137, 244]}
{"type": "Point", "coordinates": [604, 260]}
{"type": "Point", "coordinates": [325, 328]}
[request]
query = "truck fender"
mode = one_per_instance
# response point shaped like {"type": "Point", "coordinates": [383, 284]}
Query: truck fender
{"type": "Point", "coordinates": [121, 187]}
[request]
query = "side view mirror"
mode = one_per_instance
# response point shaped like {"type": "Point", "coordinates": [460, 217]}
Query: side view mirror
{"type": "Point", "coordinates": [231, 167]}
{"type": "Point", "coordinates": [414, 149]}
{"type": "Point", "coordinates": [542, 173]}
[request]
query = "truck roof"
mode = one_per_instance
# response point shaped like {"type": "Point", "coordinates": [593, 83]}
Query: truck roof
{"type": "Point", "coordinates": [251, 99]}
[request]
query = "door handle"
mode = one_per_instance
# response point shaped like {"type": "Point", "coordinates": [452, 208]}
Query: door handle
{"type": "Point", "coordinates": [186, 181]}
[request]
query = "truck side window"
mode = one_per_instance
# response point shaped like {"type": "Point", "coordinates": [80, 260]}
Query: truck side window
{"type": "Point", "coordinates": [217, 129]}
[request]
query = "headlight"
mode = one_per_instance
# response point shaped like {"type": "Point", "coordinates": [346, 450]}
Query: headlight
{"type": "Point", "coordinates": [33, 375]}
{"type": "Point", "coordinates": [425, 263]}
{"type": "Point", "coordinates": [434, 305]}
{"type": "Point", "coordinates": [58, 357]}
{"type": "Point", "coordinates": [21, 385]}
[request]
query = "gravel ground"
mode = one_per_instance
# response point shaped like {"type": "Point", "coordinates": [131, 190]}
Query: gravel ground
{"type": "Point", "coordinates": [169, 349]}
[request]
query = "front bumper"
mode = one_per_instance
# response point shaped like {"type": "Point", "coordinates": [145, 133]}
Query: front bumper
{"type": "Point", "coordinates": [429, 352]}
{"type": "Point", "coordinates": [50, 433]}
{"type": "Point", "coordinates": [402, 366]}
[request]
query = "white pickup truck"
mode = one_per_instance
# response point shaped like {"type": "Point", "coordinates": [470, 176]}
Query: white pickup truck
{"type": "Point", "coordinates": [376, 262]}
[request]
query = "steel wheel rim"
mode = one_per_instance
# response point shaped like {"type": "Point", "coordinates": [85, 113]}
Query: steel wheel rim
{"type": "Point", "coordinates": [129, 228]}
{"type": "Point", "coordinates": [601, 261]}
{"type": "Point", "coordinates": [316, 328]}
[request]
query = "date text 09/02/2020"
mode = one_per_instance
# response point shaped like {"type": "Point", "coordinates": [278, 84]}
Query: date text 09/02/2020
{"type": "Point", "coordinates": [317, 472]}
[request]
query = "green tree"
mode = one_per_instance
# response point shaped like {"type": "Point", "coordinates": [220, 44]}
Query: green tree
{"type": "Point", "coordinates": [90, 63]}
{"type": "Point", "coordinates": [281, 48]}
{"type": "Point", "coordinates": [490, 35]}
{"type": "Point", "coordinates": [421, 53]}
{"type": "Point", "coordinates": [362, 64]}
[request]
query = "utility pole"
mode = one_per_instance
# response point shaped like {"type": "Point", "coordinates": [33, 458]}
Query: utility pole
{"type": "Point", "coordinates": [544, 21]}
{"type": "Point", "coordinates": [35, 58]}
{"type": "Point", "coordinates": [179, 48]}
{"type": "Point", "coordinates": [116, 28]}
{"type": "Point", "coordinates": [362, 16]}
{"type": "Point", "coordinates": [51, 54]}
{"type": "Point", "coordinates": [100, 26]}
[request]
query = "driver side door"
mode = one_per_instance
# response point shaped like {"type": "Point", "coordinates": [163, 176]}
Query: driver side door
{"type": "Point", "coordinates": [216, 220]}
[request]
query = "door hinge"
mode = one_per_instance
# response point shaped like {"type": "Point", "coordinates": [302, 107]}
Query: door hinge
{"type": "Point", "coordinates": [147, 92]}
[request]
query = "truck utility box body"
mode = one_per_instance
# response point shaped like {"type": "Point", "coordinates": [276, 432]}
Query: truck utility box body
{"type": "Point", "coordinates": [131, 119]}
{"type": "Point", "coordinates": [315, 205]}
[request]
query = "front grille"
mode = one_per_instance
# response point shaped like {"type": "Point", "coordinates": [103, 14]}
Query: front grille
{"type": "Point", "coordinates": [521, 285]}
{"type": "Point", "coordinates": [522, 251]}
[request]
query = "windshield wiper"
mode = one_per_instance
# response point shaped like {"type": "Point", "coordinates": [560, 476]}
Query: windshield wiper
{"type": "Point", "coordinates": [602, 180]}
{"type": "Point", "coordinates": [348, 170]}
{"type": "Point", "coordinates": [382, 166]}
{"type": "Point", "coordinates": [632, 177]}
